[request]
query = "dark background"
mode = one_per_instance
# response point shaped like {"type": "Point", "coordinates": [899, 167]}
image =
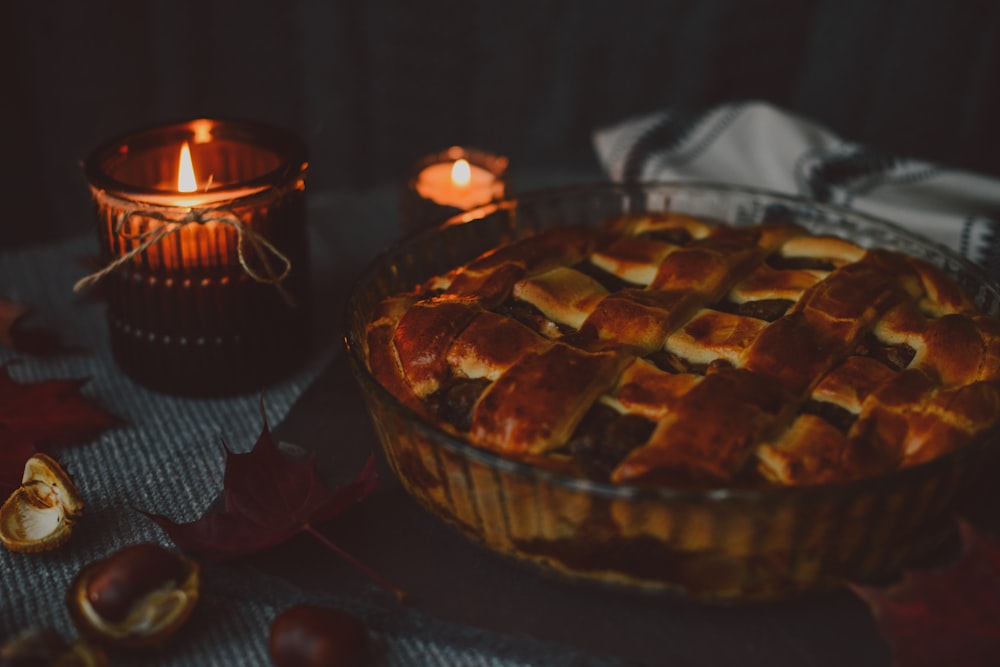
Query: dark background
{"type": "Point", "coordinates": [374, 85]}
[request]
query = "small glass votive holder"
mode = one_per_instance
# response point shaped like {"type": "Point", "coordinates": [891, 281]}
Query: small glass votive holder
{"type": "Point", "coordinates": [454, 180]}
{"type": "Point", "coordinates": [202, 230]}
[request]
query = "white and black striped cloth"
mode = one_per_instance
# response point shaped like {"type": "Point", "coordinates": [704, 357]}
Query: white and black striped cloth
{"type": "Point", "coordinates": [755, 144]}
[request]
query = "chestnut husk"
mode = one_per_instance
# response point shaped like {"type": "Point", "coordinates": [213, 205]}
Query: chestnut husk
{"type": "Point", "coordinates": [40, 514]}
{"type": "Point", "coordinates": [136, 598]}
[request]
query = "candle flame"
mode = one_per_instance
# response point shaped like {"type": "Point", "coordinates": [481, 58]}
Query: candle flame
{"type": "Point", "coordinates": [461, 174]}
{"type": "Point", "coordinates": [186, 181]}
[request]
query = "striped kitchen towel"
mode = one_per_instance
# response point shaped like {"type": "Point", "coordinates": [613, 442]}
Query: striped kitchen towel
{"type": "Point", "coordinates": [755, 144]}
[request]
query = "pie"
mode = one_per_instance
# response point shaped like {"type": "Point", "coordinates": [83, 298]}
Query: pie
{"type": "Point", "coordinates": [663, 349]}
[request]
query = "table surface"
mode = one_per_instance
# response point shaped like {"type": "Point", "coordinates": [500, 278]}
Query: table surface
{"type": "Point", "coordinates": [467, 607]}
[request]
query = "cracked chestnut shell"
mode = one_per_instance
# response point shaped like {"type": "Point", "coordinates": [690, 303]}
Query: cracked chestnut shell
{"type": "Point", "coordinates": [40, 514]}
{"type": "Point", "coordinates": [137, 597]}
{"type": "Point", "coordinates": [314, 636]}
{"type": "Point", "coordinates": [44, 647]}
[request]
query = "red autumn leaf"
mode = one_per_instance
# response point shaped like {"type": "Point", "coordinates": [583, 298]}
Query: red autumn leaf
{"type": "Point", "coordinates": [36, 416]}
{"type": "Point", "coordinates": [944, 616]}
{"type": "Point", "coordinates": [15, 334]}
{"type": "Point", "coordinates": [267, 499]}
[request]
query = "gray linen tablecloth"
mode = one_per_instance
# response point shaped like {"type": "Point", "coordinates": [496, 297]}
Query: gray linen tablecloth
{"type": "Point", "coordinates": [166, 459]}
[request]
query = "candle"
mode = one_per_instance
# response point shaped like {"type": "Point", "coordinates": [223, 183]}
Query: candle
{"type": "Point", "coordinates": [458, 184]}
{"type": "Point", "coordinates": [447, 183]}
{"type": "Point", "coordinates": [202, 232]}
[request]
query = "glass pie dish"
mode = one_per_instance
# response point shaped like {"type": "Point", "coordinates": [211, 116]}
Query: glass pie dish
{"type": "Point", "coordinates": [718, 543]}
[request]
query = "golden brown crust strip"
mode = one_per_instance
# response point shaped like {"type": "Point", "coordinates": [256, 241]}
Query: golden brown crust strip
{"type": "Point", "coordinates": [423, 337]}
{"type": "Point", "coordinates": [711, 433]}
{"type": "Point", "coordinates": [536, 405]}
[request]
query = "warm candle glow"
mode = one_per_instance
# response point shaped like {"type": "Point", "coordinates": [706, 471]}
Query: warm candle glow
{"type": "Point", "coordinates": [186, 181]}
{"type": "Point", "coordinates": [461, 174]}
{"type": "Point", "coordinates": [458, 183]}
{"type": "Point", "coordinates": [204, 193]}
{"type": "Point", "coordinates": [203, 250]}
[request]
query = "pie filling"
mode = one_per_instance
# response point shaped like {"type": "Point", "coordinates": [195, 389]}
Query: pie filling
{"type": "Point", "coordinates": [664, 349]}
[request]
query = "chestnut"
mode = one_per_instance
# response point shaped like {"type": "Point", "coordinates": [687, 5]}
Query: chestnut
{"type": "Point", "coordinates": [314, 636]}
{"type": "Point", "coordinates": [44, 647]}
{"type": "Point", "coordinates": [137, 597]}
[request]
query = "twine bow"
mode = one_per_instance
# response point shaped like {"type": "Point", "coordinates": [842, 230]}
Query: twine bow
{"type": "Point", "coordinates": [172, 223]}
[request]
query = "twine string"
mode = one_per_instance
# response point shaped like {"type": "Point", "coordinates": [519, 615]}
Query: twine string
{"type": "Point", "coordinates": [263, 249]}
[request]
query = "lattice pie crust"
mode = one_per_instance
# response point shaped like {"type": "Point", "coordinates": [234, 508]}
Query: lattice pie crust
{"type": "Point", "coordinates": [662, 349]}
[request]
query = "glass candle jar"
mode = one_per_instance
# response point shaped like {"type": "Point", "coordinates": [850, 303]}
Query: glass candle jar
{"type": "Point", "coordinates": [446, 183]}
{"type": "Point", "coordinates": [205, 260]}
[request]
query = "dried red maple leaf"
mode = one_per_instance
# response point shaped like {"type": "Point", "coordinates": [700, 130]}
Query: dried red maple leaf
{"type": "Point", "coordinates": [34, 341]}
{"type": "Point", "coordinates": [267, 499]}
{"type": "Point", "coordinates": [38, 415]}
{"type": "Point", "coordinates": [944, 616]}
